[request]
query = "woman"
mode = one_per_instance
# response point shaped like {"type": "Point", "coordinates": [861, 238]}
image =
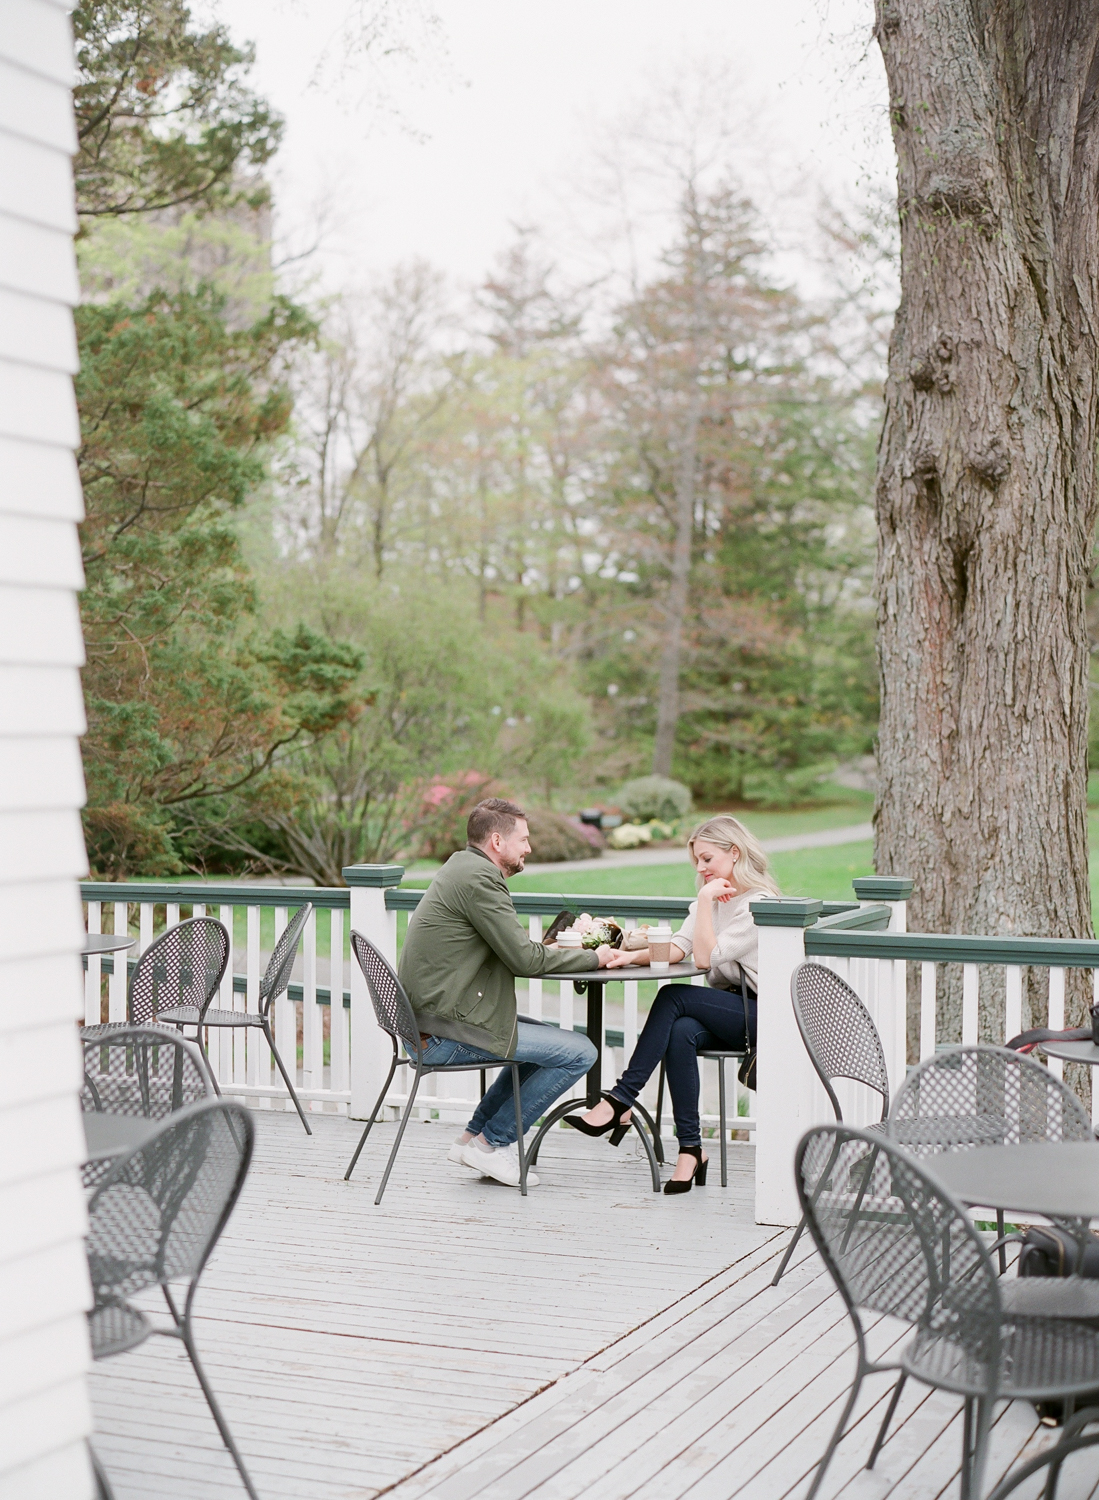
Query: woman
{"type": "Point", "coordinates": [720, 936]}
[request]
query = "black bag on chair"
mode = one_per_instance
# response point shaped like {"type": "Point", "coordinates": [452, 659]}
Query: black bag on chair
{"type": "Point", "coordinates": [1048, 1251]}
{"type": "Point", "coordinates": [747, 1070]}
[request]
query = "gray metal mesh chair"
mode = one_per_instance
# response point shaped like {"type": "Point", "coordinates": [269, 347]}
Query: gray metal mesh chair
{"type": "Point", "coordinates": [155, 1219]}
{"type": "Point", "coordinates": [275, 979]}
{"type": "Point", "coordinates": [144, 1071]}
{"type": "Point", "coordinates": [984, 1096]}
{"type": "Point", "coordinates": [182, 968]}
{"type": "Point", "coordinates": [396, 1018]}
{"type": "Point", "coordinates": [842, 1042]}
{"type": "Point", "coordinates": [896, 1243]}
{"type": "Point", "coordinates": [721, 1057]}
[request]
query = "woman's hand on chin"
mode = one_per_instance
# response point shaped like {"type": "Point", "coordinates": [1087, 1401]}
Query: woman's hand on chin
{"type": "Point", "coordinates": [718, 890]}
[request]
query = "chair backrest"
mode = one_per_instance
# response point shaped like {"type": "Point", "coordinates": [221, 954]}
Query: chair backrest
{"type": "Point", "coordinates": [143, 1070]}
{"type": "Point", "coordinates": [391, 1005]}
{"type": "Point", "coordinates": [280, 965]}
{"type": "Point", "coordinates": [838, 1031]}
{"type": "Point", "coordinates": [895, 1242]}
{"type": "Point", "coordinates": [983, 1096]}
{"type": "Point", "coordinates": [184, 967]}
{"type": "Point", "coordinates": [158, 1213]}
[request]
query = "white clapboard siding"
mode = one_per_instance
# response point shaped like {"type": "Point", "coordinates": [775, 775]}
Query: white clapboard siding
{"type": "Point", "coordinates": [44, 1412]}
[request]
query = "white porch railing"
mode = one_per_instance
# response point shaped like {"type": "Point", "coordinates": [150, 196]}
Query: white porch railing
{"type": "Point", "coordinates": [871, 948]}
{"type": "Point", "coordinates": [343, 1056]}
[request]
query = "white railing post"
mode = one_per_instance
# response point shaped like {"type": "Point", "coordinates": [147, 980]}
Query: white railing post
{"type": "Point", "coordinates": [891, 1008]}
{"type": "Point", "coordinates": [371, 1049]}
{"type": "Point", "coordinates": [789, 1097]}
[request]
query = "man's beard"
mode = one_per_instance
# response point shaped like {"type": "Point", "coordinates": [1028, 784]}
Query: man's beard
{"type": "Point", "coordinates": [515, 869]}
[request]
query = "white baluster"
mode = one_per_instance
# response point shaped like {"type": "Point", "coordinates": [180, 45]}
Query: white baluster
{"type": "Point", "coordinates": [285, 1021]}
{"type": "Point", "coordinates": [198, 909]}
{"type": "Point", "coordinates": [145, 927]}
{"type": "Point", "coordinates": [565, 1006]}
{"type": "Point", "coordinates": [970, 1005]}
{"type": "Point", "coordinates": [629, 1028]}
{"type": "Point", "coordinates": [171, 912]}
{"type": "Point", "coordinates": [534, 986]}
{"type": "Point", "coordinates": [1056, 1014]}
{"type": "Point", "coordinates": [928, 1008]}
{"type": "Point", "coordinates": [117, 993]}
{"type": "Point", "coordinates": [312, 1034]}
{"type": "Point", "coordinates": [338, 1035]}
{"type": "Point", "coordinates": [1094, 1080]}
{"type": "Point", "coordinates": [1013, 1001]}
{"type": "Point", "coordinates": [93, 1013]}
{"type": "Point", "coordinates": [252, 1068]}
{"type": "Point", "coordinates": [227, 1046]}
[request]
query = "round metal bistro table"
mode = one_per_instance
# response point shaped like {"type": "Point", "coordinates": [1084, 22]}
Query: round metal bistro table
{"type": "Point", "coordinates": [107, 1136]}
{"type": "Point", "coordinates": [1077, 1052]}
{"type": "Point", "coordinates": [105, 942]}
{"type": "Point", "coordinates": [1060, 1181]}
{"type": "Point", "coordinates": [592, 984]}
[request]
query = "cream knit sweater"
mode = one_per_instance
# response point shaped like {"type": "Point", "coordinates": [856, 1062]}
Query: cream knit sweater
{"type": "Point", "coordinates": [735, 950]}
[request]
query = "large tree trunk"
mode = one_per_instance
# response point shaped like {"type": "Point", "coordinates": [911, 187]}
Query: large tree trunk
{"type": "Point", "coordinates": [986, 486]}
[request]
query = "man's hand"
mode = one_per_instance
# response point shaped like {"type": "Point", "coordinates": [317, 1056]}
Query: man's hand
{"type": "Point", "coordinates": [605, 953]}
{"type": "Point", "coordinates": [620, 957]}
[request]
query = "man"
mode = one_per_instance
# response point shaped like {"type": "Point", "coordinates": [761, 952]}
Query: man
{"type": "Point", "coordinates": [462, 953]}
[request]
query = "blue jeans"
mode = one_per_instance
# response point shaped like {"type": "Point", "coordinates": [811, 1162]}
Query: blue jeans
{"type": "Point", "coordinates": [551, 1062]}
{"type": "Point", "coordinates": [684, 1020]}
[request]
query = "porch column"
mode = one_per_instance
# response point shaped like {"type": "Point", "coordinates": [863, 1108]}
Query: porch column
{"type": "Point", "coordinates": [371, 1049]}
{"type": "Point", "coordinates": [891, 979]}
{"type": "Point", "coordinates": [789, 1097]}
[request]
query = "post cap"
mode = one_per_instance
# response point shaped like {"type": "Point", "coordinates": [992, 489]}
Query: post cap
{"type": "Point", "coordinates": [882, 888]}
{"type": "Point", "coordinates": [373, 875]}
{"type": "Point", "coordinates": [785, 911]}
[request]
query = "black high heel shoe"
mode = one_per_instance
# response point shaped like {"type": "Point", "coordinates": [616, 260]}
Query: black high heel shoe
{"type": "Point", "coordinates": [615, 1127]}
{"type": "Point", "coordinates": [671, 1187]}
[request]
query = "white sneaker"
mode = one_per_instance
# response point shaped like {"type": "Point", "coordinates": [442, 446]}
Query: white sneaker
{"type": "Point", "coordinates": [455, 1154]}
{"type": "Point", "coordinates": [502, 1164]}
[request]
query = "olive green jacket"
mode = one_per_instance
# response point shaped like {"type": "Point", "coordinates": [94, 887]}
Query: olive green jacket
{"type": "Point", "coordinates": [463, 950]}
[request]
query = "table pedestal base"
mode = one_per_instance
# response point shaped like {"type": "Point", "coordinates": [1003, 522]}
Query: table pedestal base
{"type": "Point", "coordinates": [567, 1106]}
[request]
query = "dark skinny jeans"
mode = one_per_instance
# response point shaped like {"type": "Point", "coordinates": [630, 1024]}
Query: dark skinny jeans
{"type": "Point", "coordinates": [686, 1019]}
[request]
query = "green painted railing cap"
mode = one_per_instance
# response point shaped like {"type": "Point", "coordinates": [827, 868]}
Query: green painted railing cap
{"type": "Point", "coordinates": [374, 875]}
{"type": "Point", "coordinates": [785, 911]}
{"type": "Point", "coordinates": [882, 887]}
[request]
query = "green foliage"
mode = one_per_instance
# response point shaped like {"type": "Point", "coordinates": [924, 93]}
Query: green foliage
{"type": "Point", "coordinates": [650, 797]}
{"type": "Point", "coordinates": [554, 838]}
{"type": "Point", "coordinates": [164, 117]}
{"type": "Point", "coordinates": [186, 699]}
{"type": "Point", "coordinates": [439, 706]}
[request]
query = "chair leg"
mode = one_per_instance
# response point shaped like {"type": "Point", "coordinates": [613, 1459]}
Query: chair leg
{"type": "Point", "coordinates": [103, 1489]}
{"type": "Point", "coordinates": [373, 1116]}
{"type": "Point", "coordinates": [400, 1135]}
{"type": "Point", "coordinates": [1050, 1491]}
{"type": "Point", "coordinates": [790, 1248]}
{"type": "Point", "coordinates": [518, 1128]}
{"type": "Point", "coordinates": [999, 1236]}
{"type": "Point", "coordinates": [201, 1045]}
{"type": "Point", "coordinates": [884, 1428]}
{"type": "Point", "coordinates": [722, 1122]}
{"type": "Point", "coordinates": [285, 1076]}
{"type": "Point", "coordinates": [845, 1414]}
{"type": "Point", "coordinates": [212, 1402]}
{"type": "Point", "coordinates": [979, 1410]}
{"type": "Point", "coordinates": [660, 1098]}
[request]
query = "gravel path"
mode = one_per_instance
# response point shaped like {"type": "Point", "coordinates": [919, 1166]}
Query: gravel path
{"type": "Point", "coordinates": [854, 833]}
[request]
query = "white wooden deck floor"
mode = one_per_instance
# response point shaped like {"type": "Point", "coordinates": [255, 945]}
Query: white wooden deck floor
{"type": "Point", "coordinates": [458, 1343]}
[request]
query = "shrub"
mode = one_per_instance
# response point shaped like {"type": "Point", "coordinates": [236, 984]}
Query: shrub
{"type": "Point", "coordinates": [655, 797]}
{"type": "Point", "coordinates": [554, 837]}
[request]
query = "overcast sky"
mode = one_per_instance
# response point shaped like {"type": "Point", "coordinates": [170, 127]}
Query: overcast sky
{"type": "Point", "coordinates": [496, 120]}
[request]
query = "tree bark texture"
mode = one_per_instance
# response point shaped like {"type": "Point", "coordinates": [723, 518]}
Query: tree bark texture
{"type": "Point", "coordinates": [986, 499]}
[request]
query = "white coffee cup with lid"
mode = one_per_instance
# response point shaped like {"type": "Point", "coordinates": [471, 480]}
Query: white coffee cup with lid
{"type": "Point", "coordinates": [570, 939]}
{"type": "Point", "coordinates": [660, 946]}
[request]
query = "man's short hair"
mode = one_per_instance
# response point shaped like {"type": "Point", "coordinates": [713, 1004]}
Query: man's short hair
{"type": "Point", "coordinates": [493, 815]}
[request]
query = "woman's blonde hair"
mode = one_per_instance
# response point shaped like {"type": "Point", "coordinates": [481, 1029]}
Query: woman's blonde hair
{"type": "Point", "coordinates": [750, 871]}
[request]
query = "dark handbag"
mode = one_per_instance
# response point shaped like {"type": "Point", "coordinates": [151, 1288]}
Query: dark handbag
{"type": "Point", "coordinates": [747, 1070]}
{"type": "Point", "coordinates": [1048, 1251]}
{"type": "Point", "coordinates": [1026, 1041]}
